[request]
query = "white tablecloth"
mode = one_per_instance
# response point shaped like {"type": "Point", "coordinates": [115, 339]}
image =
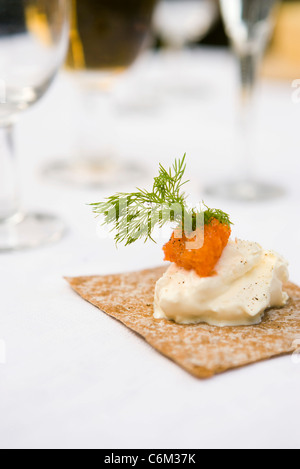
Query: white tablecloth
{"type": "Point", "coordinates": [74, 377]}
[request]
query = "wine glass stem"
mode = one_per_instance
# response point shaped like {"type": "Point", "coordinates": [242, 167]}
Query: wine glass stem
{"type": "Point", "coordinates": [8, 180]}
{"type": "Point", "coordinates": [248, 76]}
{"type": "Point", "coordinates": [95, 136]}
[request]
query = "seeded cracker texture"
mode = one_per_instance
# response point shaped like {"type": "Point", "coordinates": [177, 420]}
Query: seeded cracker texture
{"type": "Point", "coordinates": [202, 350]}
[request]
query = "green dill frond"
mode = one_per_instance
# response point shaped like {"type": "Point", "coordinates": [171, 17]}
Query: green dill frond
{"type": "Point", "coordinates": [213, 213]}
{"type": "Point", "coordinates": [134, 215]}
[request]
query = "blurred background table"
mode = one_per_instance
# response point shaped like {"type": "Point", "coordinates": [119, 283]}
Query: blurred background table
{"type": "Point", "coordinates": [74, 377]}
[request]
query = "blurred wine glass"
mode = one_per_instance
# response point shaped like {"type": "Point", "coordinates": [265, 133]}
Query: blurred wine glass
{"type": "Point", "coordinates": [178, 24]}
{"type": "Point", "coordinates": [182, 22]}
{"type": "Point", "coordinates": [106, 38]}
{"type": "Point", "coordinates": [33, 44]}
{"type": "Point", "coordinates": [249, 25]}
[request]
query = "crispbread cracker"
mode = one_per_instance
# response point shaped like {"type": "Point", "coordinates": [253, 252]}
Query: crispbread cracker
{"type": "Point", "coordinates": [200, 349]}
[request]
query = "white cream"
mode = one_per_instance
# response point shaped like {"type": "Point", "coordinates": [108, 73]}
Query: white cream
{"type": "Point", "coordinates": [249, 280]}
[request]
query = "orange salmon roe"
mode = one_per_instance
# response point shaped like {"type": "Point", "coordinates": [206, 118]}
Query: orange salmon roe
{"type": "Point", "coordinates": [203, 260]}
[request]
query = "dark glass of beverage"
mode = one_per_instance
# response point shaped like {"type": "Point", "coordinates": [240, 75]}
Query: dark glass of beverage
{"type": "Point", "coordinates": [108, 34]}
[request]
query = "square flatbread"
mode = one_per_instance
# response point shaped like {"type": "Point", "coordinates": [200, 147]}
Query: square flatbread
{"type": "Point", "coordinates": [200, 349]}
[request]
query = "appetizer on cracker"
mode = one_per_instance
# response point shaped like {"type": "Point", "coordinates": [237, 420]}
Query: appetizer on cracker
{"type": "Point", "coordinates": [212, 279]}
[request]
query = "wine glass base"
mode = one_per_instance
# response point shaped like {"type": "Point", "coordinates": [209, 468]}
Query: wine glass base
{"type": "Point", "coordinates": [30, 231]}
{"type": "Point", "coordinates": [90, 174]}
{"type": "Point", "coordinates": [245, 191]}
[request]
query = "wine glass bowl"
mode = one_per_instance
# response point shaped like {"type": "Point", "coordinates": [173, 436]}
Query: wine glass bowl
{"type": "Point", "coordinates": [33, 44]}
{"type": "Point", "coordinates": [180, 22]}
{"type": "Point", "coordinates": [107, 34]}
{"type": "Point", "coordinates": [249, 24]}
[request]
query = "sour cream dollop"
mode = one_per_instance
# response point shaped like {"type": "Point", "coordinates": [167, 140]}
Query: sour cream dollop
{"type": "Point", "coordinates": [249, 280]}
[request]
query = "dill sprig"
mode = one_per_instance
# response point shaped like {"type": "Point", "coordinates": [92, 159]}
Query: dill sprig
{"type": "Point", "coordinates": [211, 213]}
{"type": "Point", "coordinates": [134, 215]}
